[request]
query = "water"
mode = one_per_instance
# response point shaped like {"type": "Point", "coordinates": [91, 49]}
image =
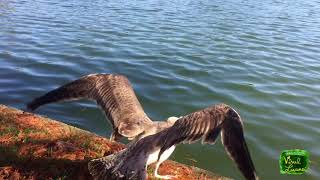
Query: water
{"type": "Point", "coordinates": [260, 57]}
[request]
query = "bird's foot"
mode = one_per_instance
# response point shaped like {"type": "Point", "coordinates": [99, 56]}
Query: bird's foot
{"type": "Point", "coordinates": [166, 176]}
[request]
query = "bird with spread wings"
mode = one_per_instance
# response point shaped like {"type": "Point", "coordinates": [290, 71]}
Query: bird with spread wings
{"type": "Point", "coordinates": [153, 141]}
{"type": "Point", "coordinates": [115, 95]}
{"type": "Point", "coordinates": [206, 124]}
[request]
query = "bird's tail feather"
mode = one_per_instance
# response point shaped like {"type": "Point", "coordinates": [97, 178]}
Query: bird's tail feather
{"type": "Point", "coordinates": [118, 166]}
{"type": "Point", "coordinates": [101, 168]}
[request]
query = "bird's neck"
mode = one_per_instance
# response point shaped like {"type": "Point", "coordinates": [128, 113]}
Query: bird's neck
{"type": "Point", "coordinates": [154, 127]}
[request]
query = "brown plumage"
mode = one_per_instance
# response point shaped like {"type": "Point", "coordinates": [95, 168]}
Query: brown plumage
{"type": "Point", "coordinates": [113, 93]}
{"type": "Point", "coordinates": [205, 124]}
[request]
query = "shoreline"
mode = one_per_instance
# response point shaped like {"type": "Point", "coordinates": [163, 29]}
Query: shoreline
{"type": "Point", "coordinates": [36, 147]}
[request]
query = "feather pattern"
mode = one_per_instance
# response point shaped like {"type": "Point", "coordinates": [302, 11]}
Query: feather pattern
{"type": "Point", "coordinates": [112, 92]}
{"type": "Point", "coordinates": [205, 124]}
{"type": "Point", "coordinates": [126, 164]}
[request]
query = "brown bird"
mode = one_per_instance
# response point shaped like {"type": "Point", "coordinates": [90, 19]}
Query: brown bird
{"type": "Point", "coordinates": [206, 124]}
{"type": "Point", "coordinates": [114, 94]}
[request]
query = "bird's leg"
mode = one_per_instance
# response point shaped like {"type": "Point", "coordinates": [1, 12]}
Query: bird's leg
{"type": "Point", "coordinates": [115, 136]}
{"type": "Point", "coordinates": [112, 137]}
{"type": "Point", "coordinates": [160, 176]}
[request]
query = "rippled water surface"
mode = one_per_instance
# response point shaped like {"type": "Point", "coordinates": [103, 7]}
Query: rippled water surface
{"type": "Point", "coordinates": [261, 57]}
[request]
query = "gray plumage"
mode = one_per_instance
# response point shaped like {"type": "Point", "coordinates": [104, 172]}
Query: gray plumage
{"type": "Point", "coordinates": [113, 93]}
{"type": "Point", "coordinates": [205, 124]}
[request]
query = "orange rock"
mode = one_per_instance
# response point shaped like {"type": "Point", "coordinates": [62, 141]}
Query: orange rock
{"type": "Point", "coordinates": [34, 147]}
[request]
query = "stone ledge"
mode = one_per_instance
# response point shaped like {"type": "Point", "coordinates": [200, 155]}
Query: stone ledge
{"type": "Point", "coordinates": [35, 147]}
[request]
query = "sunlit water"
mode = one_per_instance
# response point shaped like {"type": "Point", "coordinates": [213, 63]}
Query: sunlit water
{"type": "Point", "coordinates": [260, 57]}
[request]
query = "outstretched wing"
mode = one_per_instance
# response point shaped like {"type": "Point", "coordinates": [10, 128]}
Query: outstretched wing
{"type": "Point", "coordinates": [206, 124]}
{"type": "Point", "coordinates": [112, 92]}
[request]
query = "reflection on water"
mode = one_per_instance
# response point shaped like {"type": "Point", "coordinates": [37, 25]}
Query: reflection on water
{"type": "Point", "coordinates": [262, 58]}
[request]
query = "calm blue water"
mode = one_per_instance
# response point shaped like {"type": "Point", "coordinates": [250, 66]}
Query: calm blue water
{"type": "Point", "coordinates": [260, 57]}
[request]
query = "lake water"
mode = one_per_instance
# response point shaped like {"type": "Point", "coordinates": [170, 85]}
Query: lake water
{"type": "Point", "coordinates": [260, 57]}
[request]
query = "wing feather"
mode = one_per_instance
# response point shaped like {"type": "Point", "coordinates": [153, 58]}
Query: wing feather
{"type": "Point", "coordinates": [113, 93]}
{"type": "Point", "coordinates": [206, 124]}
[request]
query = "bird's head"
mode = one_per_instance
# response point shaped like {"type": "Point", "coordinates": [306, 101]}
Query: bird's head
{"type": "Point", "coordinates": [172, 120]}
{"type": "Point", "coordinates": [129, 129]}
